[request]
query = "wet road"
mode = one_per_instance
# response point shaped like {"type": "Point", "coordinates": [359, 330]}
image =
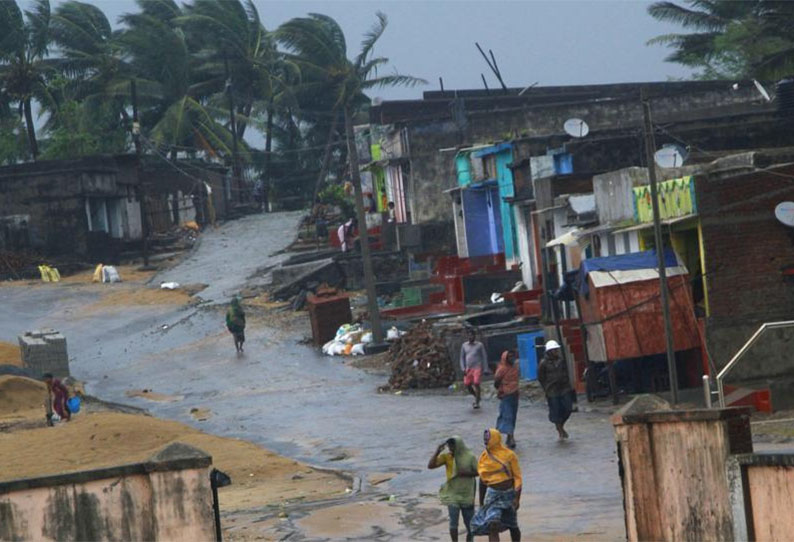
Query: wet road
{"type": "Point", "coordinates": [289, 398]}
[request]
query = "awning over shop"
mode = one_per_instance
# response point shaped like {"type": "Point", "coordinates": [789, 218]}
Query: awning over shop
{"type": "Point", "coordinates": [566, 239]}
{"type": "Point", "coordinates": [668, 222]}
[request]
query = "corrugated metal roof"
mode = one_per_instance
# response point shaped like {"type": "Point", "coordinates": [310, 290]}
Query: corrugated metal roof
{"type": "Point", "coordinates": [612, 278]}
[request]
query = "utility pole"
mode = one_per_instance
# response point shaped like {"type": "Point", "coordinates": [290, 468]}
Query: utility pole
{"type": "Point", "coordinates": [136, 137]}
{"type": "Point", "coordinates": [366, 258]}
{"type": "Point", "coordinates": [236, 177]}
{"type": "Point", "coordinates": [650, 149]}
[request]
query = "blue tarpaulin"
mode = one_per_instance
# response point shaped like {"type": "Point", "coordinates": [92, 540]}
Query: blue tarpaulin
{"type": "Point", "coordinates": [624, 262]}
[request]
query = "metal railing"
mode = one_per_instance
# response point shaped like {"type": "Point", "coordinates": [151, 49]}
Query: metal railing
{"type": "Point", "coordinates": [740, 354]}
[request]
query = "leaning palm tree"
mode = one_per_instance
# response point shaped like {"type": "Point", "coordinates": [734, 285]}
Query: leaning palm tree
{"type": "Point", "coordinates": [234, 46]}
{"type": "Point", "coordinates": [91, 57]}
{"type": "Point", "coordinates": [729, 39]}
{"type": "Point", "coordinates": [319, 49]}
{"type": "Point", "coordinates": [174, 99]}
{"type": "Point", "coordinates": [24, 67]}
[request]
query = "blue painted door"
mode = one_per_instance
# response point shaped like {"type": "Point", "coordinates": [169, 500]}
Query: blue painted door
{"type": "Point", "coordinates": [483, 221]}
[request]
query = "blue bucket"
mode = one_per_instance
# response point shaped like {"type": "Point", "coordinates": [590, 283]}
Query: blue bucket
{"type": "Point", "coordinates": [74, 404]}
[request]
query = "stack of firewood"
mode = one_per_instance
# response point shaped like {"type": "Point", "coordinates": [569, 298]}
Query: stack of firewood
{"type": "Point", "coordinates": [419, 359]}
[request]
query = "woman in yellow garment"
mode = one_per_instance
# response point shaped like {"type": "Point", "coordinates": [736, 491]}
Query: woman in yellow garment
{"type": "Point", "coordinates": [500, 489]}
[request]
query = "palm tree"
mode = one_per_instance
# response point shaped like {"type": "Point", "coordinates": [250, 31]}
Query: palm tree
{"type": "Point", "coordinates": [747, 39]}
{"type": "Point", "coordinates": [235, 45]}
{"type": "Point", "coordinates": [24, 67]}
{"type": "Point", "coordinates": [91, 57]}
{"type": "Point", "coordinates": [174, 98]}
{"type": "Point", "coordinates": [319, 49]}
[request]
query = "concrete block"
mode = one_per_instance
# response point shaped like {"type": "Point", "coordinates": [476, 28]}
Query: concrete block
{"type": "Point", "coordinates": [44, 351]}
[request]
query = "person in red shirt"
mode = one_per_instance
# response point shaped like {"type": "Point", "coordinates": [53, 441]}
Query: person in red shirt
{"type": "Point", "coordinates": [58, 394]}
{"type": "Point", "coordinates": [506, 382]}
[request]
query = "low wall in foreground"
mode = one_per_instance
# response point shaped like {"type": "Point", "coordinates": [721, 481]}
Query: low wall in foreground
{"type": "Point", "coordinates": [167, 497]}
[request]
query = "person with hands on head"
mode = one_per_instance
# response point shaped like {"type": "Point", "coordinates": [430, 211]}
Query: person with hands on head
{"type": "Point", "coordinates": [500, 489]}
{"type": "Point", "coordinates": [458, 491]}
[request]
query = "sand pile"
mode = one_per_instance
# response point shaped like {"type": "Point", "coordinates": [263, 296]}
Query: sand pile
{"type": "Point", "coordinates": [9, 354]}
{"type": "Point", "coordinates": [21, 397]}
{"type": "Point", "coordinates": [103, 439]}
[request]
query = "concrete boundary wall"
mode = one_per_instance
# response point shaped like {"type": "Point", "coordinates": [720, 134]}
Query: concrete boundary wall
{"type": "Point", "coordinates": [167, 497]}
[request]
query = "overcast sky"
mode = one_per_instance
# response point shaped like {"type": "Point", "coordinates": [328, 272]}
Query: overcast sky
{"type": "Point", "coordinates": [554, 42]}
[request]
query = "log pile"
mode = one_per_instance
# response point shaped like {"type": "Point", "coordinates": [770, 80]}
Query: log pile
{"type": "Point", "coordinates": [419, 360]}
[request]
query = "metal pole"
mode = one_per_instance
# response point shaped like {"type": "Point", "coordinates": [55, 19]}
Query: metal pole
{"type": "Point", "coordinates": [707, 390]}
{"type": "Point", "coordinates": [650, 146]}
{"type": "Point", "coordinates": [136, 137]}
{"type": "Point", "coordinates": [233, 126]}
{"type": "Point", "coordinates": [366, 257]}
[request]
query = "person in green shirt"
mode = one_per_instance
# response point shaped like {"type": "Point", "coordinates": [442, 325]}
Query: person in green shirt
{"type": "Point", "coordinates": [235, 323]}
{"type": "Point", "coordinates": [458, 491]}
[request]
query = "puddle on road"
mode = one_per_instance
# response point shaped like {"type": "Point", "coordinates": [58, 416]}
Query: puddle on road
{"type": "Point", "coordinates": [354, 520]}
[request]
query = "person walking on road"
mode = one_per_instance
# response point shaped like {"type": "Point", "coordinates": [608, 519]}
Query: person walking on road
{"type": "Point", "coordinates": [235, 323]}
{"type": "Point", "coordinates": [500, 490]}
{"type": "Point", "coordinates": [57, 396]}
{"type": "Point", "coordinates": [472, 362]}
{"type": "Point", "coordinates": [346, 235]}
{"type": "Point", "coordinates": [553, 376]}
{"type": "Point", "coordinates": [506, 382]}
{"type": "Point", "coordinates": [458, 491]}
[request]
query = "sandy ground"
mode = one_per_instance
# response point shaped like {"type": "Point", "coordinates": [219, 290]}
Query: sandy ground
{"type": "Point", "coordinates": [21, 399]}
{"type": "Point", "coordinates": [103, 439]}
{"type": "Point", "coordinates": [9, 354]}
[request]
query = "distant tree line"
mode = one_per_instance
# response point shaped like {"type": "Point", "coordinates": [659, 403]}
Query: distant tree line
{"type": "Point", "coordinates": [66, 77]}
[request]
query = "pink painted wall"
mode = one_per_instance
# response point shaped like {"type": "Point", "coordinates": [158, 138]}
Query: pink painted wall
{"type": "Point", "coordinates": [772, 498]}
{"type": "Point", "coordinates": [171, 505]}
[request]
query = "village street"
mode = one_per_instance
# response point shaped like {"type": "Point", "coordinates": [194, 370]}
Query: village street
{"type": "Point", "coordinates": [286, 396]}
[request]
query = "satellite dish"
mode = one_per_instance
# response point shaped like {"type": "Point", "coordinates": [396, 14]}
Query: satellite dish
{"type": "Point", "coordinates": [670, 155]}
{"type": "Point", "coordinates": [762, 90]}
{"type": "Point", "coordinates": [784, 212]}
{"type": "Point", "coordinates": [576, 128]}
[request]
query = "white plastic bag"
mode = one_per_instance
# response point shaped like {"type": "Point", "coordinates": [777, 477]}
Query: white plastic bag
{"type": "Point", "coordinates": [366, 338]}
{"type": "Point", "coordinates": [169, 285]}
{"type": "Point", "coordinates": [358, 349]}
{"type": "Point", "coordinates": [110, 274]}
{"type": "Point", "coordinates": [393, 334]}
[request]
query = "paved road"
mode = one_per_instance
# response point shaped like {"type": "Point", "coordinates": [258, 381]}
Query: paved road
{"type": "Point", "coordinates": [229, 255]}
{"type": "Point", "coordinates": [287, 397]}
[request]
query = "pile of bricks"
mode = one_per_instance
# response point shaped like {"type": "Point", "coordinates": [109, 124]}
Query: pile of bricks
{"type": "Point", "coordinates": [420, 360]}
{"type": "Point", "coordinates": [44, 351]}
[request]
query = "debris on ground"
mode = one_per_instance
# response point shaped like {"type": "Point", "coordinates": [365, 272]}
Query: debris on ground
{"type": "Point", "coordinates": [419, 359]}
{"type": "Point", "coordinates": [153, 396]}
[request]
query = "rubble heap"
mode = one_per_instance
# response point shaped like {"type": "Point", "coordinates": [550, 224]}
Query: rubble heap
{"type": "Point", "coordinates": [419, 359]}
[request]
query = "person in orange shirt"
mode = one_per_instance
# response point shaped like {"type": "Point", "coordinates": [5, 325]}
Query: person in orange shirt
{"type": "Point", "coordinates": [500, 490]}
{"type": "Point", "coordinates": [506, 382]}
